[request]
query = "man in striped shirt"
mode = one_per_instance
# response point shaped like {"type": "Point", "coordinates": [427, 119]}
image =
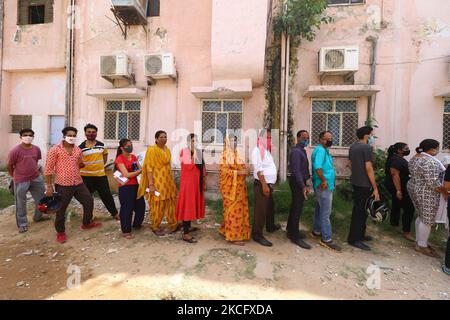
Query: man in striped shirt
{"type": "Point", "coordinates": [95, 156]}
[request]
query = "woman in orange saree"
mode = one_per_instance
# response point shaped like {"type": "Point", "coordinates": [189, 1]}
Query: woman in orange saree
{"type": "Point", "coordinates": [236, 224]}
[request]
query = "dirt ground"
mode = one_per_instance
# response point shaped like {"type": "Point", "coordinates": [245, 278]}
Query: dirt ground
{"type": "Point", "coordinates": [34, 266]}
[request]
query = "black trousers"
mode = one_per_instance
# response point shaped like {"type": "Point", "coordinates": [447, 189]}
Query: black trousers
{"type": "Point", "coordinates": [296, 210]}
{"type": "Point", "coordinates": [264, 210]}
{"type": "Point", "coordinates": [447, 254]}
{"type": "Point", "coordinates": [81, 193]}
{"type": "Point", "coordinates": [359, 214]}
{"type": "Point", "coordinates": [101, 185]}
{"type": "Point", "coordinates": [128, 205]}
{"type": "Point", "coordinates": [408, 210]}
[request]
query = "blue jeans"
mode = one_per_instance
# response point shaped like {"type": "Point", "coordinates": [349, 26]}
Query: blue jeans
{"type": "Point", "coordinates": [322, 223]}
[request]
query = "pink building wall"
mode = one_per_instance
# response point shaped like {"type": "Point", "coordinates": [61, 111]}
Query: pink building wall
{"type": "Point", "coordinates": [413, 61]}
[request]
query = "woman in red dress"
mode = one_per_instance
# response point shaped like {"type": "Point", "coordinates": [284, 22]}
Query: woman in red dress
{"type": "Point", "coordinates": [191, 198]}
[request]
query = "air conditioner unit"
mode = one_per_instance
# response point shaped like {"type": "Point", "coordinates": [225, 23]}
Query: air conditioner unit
{"type": "Point", "coordinates": [160, 66]}
{"type": "Point", "coordinates": [134, 12]}
{"type": "Point", "coordinates": [116, 66]}
{"type": "Point", "coordinates": [339, 60]}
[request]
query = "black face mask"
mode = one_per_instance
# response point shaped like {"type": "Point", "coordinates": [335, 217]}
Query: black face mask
{"type": "Point", "coordinates": [129, 149]}
{"type": "Point", "coordinates": [406, 153]}
{"type": "Point", "coordinates": [329, 143]}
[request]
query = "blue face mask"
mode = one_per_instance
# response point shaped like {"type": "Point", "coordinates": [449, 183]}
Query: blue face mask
{"type": "Point", "coordinates": [304, 143]}
{"type": "Point", "coordinates": [371, 140]}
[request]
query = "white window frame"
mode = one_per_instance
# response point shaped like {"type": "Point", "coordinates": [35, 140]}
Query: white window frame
{"type": "Point", "coordinates": [105, 102]}
{"type": "Point", "coordinates": [215, 143]}
{"type": "Point", "coordinates": [335, 146]}
{"type": "Point", "coordinates": [346, 4]}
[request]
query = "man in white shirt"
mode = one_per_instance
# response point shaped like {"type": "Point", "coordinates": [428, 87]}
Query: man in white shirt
{"type": "Point", "coordinates": [265, 174]}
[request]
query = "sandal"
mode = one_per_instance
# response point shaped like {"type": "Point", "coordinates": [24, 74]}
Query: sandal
{"type": "Point", "coordinates": [128, 236]}
{"type": "Point", "coordinates": [190, 240]}
{"type": "Point", "coordinates": [159, 232]}
{"type": "Point", "coordinates": [23, 229]}
{"type": "Point", "coordinates": [426, 251]}
{"type": "Point", "coordinates": [238, 243]}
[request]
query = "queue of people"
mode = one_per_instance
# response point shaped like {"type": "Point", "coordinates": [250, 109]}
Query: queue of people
{"type": "Point", "coordinates": [421, 186]}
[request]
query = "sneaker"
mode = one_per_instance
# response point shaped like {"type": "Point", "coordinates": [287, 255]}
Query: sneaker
{"type": "Point", "coordinates": [91, 225]}
{"type": "Point", "coordinates": [330, 245]}
{"type": "Point", "coordinates": [360, 245]}
{"type": "Point", "coordinates": [446, 270]}
{"type": "Point", "coordinates": [61, 237]}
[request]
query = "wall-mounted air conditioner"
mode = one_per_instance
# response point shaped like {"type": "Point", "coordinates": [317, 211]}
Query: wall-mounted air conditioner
{"type": "Point", "coordinates": [159, 66]}
{"type": "Point", "coordinates": [339, 60]}
{"type": "Point", "coordinates": [132, 11]}
{"type": "Point", "coordinates": [116, 66]}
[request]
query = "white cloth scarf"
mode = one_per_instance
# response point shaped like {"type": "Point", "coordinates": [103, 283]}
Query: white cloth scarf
{"type": "Point", "coordinates": [441, 215]}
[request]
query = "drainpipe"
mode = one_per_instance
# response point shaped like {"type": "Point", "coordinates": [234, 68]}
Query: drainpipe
{"type": "Point", "coordinates": [2, 19]}
{"type": "Point", "coordinates": [373, 68]}
{"type": "Point", "coordinates": [70, 54]}
{"type": "Point", "coordinates": [284, 117]}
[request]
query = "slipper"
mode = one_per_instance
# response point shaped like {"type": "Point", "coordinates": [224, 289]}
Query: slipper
{"type": "Point", "coordinates": [191, 240]}
{"type": "Point", "coordinates": [238, 243]}
{"type": "Point", "coordinates": [128, 236]}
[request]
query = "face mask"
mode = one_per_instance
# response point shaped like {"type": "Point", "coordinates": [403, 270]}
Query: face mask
{"type": "Point", "coordinates": [304, 143]}
{"type": "Point", "coordinates": [129, 149]}
{"type": "Point", "coordinates": [406, 153]}
{"type": "Point", "coordinates": [329, 143]}
{"type": "Point", "coordinates": [71, 140]}
{"type": "Point", "coordinates": [371, 140]}
{"type": "Point", "coordinates": [27, 140]}
{"type": "Point", "coordinates": [91, 136]}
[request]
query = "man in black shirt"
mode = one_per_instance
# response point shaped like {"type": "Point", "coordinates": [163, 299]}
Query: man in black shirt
{"type": "Point", "coordinates": [446, 265]}
{"type": "Point", "coordinates": [364, 186]}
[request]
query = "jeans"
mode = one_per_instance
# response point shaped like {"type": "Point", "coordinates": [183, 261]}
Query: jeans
{"type": "Point", "coordinates": [128, 205]}
{"type": "Point", "coordinates": [37, 190]}
{"type": "Point", "coordinates": [322, 223]}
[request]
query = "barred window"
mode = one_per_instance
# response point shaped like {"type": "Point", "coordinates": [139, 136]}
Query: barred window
{"type": "Point", "coordinates": [337, 2]}
{"type": "Point", "coordinates": [122, 119]}
{"type": "Point", "coordinates": [340, 117]}
{"type": "Point", "coordinates": [35, 12]}
{"type": "Point", "coordinates": [446, 126]}
{"type": "Point", "coordinates": [19, 122]}
{"type": "Point", "coordinates": [219, 118]}
{"type": "Point", "coordinates": [153, 8]}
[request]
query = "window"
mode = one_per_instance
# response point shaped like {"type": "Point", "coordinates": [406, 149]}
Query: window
{"type": "Point", "coordinates": [122, 119]}
{"type": "Point", "coordinates": [446, 134]}
{"type": "Point", "coordinates": [153, 8]}
{"type": "Point", "coordinates": [19, 122]}
{"type": "Point", "coordinates": [35, 12]}
{"type": "Point", "coordinates": [340, 117]}
{"type": "Point", "coordinates": [219, 117]}
{"type": "Point", "coordinates": [337, 2]}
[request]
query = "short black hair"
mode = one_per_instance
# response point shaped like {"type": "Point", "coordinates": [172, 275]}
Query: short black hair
{"type": "Point", "coordinates": [158, 133]}
{"type": "Point", "coordinates": [191, 136]}
{"type": "Point", "coordinates": [299, 134]}
{"type": "Point", "coordinates": [67, 129]}
{"type": "Point", "coordinates": [323, 133]}
{"type": "Point", "coordinates": [427, 145]}
{"type": "Point", "coordinates": [26, 130]}
{"type": "Point", "coordinates": [363, 131]}
{"type": "Point", "coordinates": [90, 126]}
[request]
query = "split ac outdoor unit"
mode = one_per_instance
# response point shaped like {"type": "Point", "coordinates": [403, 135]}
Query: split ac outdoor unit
{"type": "Point", "coordinates": [159, 66]}
{"type": "Point", "coordinates": [115, 66]}
{"type": "Point", "coordinates": [339, 60]}
{"type": "Point", "coordinates": [134, 12]}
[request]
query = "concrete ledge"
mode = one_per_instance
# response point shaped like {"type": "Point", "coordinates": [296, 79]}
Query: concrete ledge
{"type": "Point", "coordinates": [442, 92]}
{"type": "Point", "coordinates": [341, 91]}
{"type": "Point", "coordinates": [118, 93]}
{"type": "Point", "coordinates": [227, 89]}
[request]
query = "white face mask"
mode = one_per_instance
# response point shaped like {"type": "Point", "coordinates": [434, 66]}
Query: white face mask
{"type": "Point", "coordinates": [71, 140]}
{"type": "Point", "coordinates": [27, 140]}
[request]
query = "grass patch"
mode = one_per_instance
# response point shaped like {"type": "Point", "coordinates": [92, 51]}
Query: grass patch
{"type": "Point", "coordinates": [6, 199]}
{"type": "Point", "coordinates": [340, 217]}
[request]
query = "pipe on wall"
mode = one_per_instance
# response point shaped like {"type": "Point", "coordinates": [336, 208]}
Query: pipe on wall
{"type": "Point", "coordinates": [373, 69]}
{"type": "Point", "coordinates": [70, 56]}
